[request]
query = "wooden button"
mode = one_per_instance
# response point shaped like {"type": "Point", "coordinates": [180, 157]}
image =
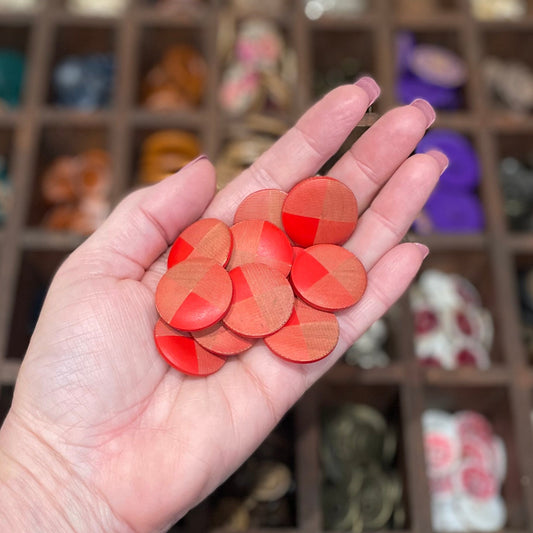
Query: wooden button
{"type": "Point", "coordinates": [296, 251]}
{"type": "Point", "coordinates": [193, 294]}
{"type": "Point", "coordinates": [221, 340]}
{"type": "Point", "coordinates": [328, 277]}
{"type": "Point", "coordinates": [207, 237]}
{"type": "Point", "coordinates": [259, 241]}
{"type": "Point", "coordinates": [262, 301]}
{"type": "Point", "coordinates": [265, 204]}
{"type": "Point", "coordinates": [182, 352]}
{"type": "Point", "coordinates": [319, 210]}
{"type": "Point", "coordinates": [308, 336]}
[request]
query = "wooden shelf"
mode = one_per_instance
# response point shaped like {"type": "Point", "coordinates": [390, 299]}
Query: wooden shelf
{"type": "Point", "coordinates": [38, 131]}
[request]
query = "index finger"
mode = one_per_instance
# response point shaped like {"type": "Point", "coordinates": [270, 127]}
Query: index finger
{"type": "Point", "coordinates": [301, 151]}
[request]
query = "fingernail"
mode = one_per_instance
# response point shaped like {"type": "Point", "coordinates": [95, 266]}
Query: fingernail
{"type": "Point", "coordinates": [440, 158]}
{"type": "Point", "coordinates": [370, 87]}
{"type": "Point", "coordinates": [190, 163]}
{"type": "Point", "coordinates": [426, 108]}
{"type": "Point", "coordinates": [424, 250]}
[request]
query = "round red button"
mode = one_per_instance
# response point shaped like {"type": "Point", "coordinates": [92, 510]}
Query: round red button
{"type": "Point", "coordinates": [221, 340]}
{"type": "Point", "coordinates": [265, 204]}
{"type": "Point", "coordinates": [328, 277]}
{"type": "Point", "coordinates": [207, 237]}
{"type": "Point", "coordinates": [262, 301]}
{"type": "Point", "coordinates": [193, 294]}
{"type": "Point", "coordinates": [319, 210]}
{"type": "Point", "coordinates": [259, 241]}
{"type": "Point", "coordinates": [182, 352]}
{"type": "Point", "coordinates": [308, 336]}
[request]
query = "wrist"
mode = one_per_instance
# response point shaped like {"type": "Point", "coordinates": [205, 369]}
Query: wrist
{"type": "Point", "coordinates": [40, 490]}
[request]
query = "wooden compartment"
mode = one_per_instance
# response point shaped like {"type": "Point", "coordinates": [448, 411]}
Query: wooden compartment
{"type": "Point", "coordinates": [495, 404]}
{"type": "Point", "coordinates": [36, 272]}
{"type": "Point", "coordinates": [155, 40]}
{"type": "Point", "coordinates": [386, 400]}
{"type": "Point", "coordinates": [278, 447]}
{"type": "Point", "coordinates": [17, 37]}
{"type": "Point", "coordinates": [351, 55]}
{"type": "Point", "coordinates": [476, 268]}
{"type": "Point", "coordinates": [139, 136]}
{"type": "Point", "coordinates": [451, 40]}
{"type": "Point", "coordinates": [508, 44]}
{"type": "Point", "coordinates": [63, 140]}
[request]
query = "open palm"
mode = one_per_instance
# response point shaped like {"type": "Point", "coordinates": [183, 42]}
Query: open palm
{"type": "Point", "coordinates": [146, 442]}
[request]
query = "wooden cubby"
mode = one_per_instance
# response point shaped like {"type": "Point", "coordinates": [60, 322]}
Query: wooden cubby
{"type": "Point", "coordinates": [38, 130]}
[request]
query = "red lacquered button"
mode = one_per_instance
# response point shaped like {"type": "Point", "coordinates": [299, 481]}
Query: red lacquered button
{"type": "Point", "coordinates": [262, 300]}
{"type": "Point", "coordinates": [328, 277]}
{"type": "Point", "coordinates": [259, 241]}
{"type": "Point", "coordinates": [221, 340]}
{"type": "Point", "coordinates": [193, 294]}
{"type": "Point", "coordinates": [207, 237]}
{"type": "Point", "coordinates": [308, 336]}
{"type": "Point", "coordinates": [319, 210]}
{"type": "Point", "coordinates": [265, 204]}
{"type": "Point", "coordinates": [181, 351]}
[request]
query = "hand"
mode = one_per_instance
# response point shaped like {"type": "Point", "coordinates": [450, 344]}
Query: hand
{"type": "Point", "coordinates": [103, 435]}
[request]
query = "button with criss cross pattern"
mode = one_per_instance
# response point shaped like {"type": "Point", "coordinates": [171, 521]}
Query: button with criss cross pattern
{"type": "Point", "coordinates": [319, 210]}
{"type": "Point", "coordinates": [265, 204]}
{"type": "Point", "coordinates": [181, 351]}
{"type": "Point", "coordinates": [259, 241]}
{"type": "Point", "coordinates": [262, 300]}
{"type": "Point", "coordinates": [221, 340]}
{"type": "Point", "coordinates": [308, 336]}
{"type": "Point", "coordinates": [207, 237]}
{"type": "Point", "coordinates": [193, 294]}
{"type": "Point", "coordinates": [328, 277]}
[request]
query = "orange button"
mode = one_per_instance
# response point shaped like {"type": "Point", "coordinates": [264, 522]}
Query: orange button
{"type": "Point", "coordinates": [193, 294]}
{"type": "Point", "coordinates": [308, 336]}
{"type": "Point", "coordinates": [328, 277]}
{"type": "Point", "coordinates": [182, 352]}
{"type": "Point", "coordinates": [319, 210]}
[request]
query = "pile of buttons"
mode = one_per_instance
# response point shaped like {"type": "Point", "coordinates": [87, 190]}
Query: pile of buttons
{"type": "Point", "coordinates": [362, 490]}
{"type": "Point", "coordinates": [498, 9]}
{"type": "Point", "coordinates": [177, 81]}
{"type": "Point", "coordinates": [368, 351]}
{"type": "Point", "coordinates": [261, 493]}
{"type": "Point", "coordinates": [6, 191]}
{"type": "Point", "coordinates": [100, 8]}
{"type": "Point", "coordinates": [208, 313]}
{"type": "Point", "coordinates": [451, 327]}
{"type": "Point", "coordinates": [261, 69]}
{"type": "Point", "coordinates": [454, 206]}
{"type": "Point", "coordinates": [314, 9]}
{"type": "Point", "coordinates": [76, 189]}
{"type": "Point", "coordinates": [466, 465]}
{"type": "Point", "coordinates": [12, 67]}
{"type": "Point", "coordinates": [428, 71]}
{"type": "Point", "coordinates": [511, 82]}
{"type": "Point", "coordinates": [516, 181]}
{"type": "Point", "coordinates": [84, 82]}
{"type": "Point", "coordinates": [165, 152]}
